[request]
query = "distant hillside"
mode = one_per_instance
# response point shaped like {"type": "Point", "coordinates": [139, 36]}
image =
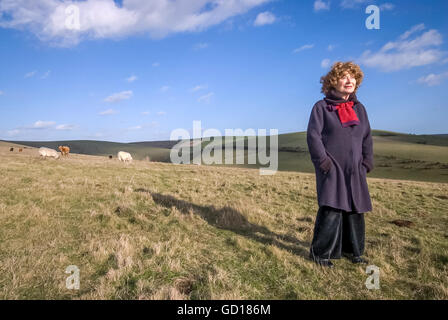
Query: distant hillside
{"type": "Point", "coordinates": [156, 151]}
{"type": "Point", "coordinates": [396, 155]}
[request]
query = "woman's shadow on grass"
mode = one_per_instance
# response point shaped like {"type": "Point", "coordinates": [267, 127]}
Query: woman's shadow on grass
{"type": "Point", "coordinates": [228, 218]}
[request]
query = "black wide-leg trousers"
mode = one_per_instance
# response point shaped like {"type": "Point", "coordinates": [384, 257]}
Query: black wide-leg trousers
{"type": "Point", "coordinates": [337, 231]}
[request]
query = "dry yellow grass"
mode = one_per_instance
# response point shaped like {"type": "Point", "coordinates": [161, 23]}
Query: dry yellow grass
{"type": "Point", "coordinates": [151, 230]}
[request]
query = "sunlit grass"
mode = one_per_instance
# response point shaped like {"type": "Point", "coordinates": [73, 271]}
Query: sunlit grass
{"type": "Point", "coordinates": [153, 230]}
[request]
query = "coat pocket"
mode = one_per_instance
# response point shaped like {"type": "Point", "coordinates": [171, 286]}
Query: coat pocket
{"type": "Point", "coordinates": [363, 168]}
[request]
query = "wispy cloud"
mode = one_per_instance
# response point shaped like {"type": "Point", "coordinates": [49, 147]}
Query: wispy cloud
{"type": "Point", "coordinates": [206, 98]}
{"type": "Point", "coordinates": [131, 78]}
{"type": "Point", "coordinates": [320, 5]}
{"type": "Point", "coordinates": [433, 79]}
{"type": "Point", "coordinates": [387, 6]}
{"type": "Point", "coordinates": [414, 29]}
{"type": "Point", "coordinates": [331, 47]}
{"type": "Point", "coordinates": [161, 113]}
{"type": "Point", "coordinates": [156, 64]}
{"type": "Point", "coordinates": [325, 63]}
{"type": "Point", "coordinates": [29, 74]}
{"type": "Point", "coordinates": [304, 47]}
{"type": "Point", "coordinates": [46, 75]}
{"type": "Point", "coordinates": [198, 88]}
{"type": "Point", "coordinates": [404, 53]}
{"type": "Point", "coordinates": [65, 127]}
{"type": "Point", "coordinates": [264, 18]}
{"type": "Point", "coordinates": [145, 113]}
{"type": "Point", "coordinates": [158, 18]}
{"type": "Point", "coordinates": [116, 97]}
{"type": "Point", "coordinates": [108, 112]}
{"type": "Point", "coordinates": [42, 125]}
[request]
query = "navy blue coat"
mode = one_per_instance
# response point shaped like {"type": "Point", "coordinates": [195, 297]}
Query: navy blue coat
{"type": "Point", "coordinates": [347, 152]}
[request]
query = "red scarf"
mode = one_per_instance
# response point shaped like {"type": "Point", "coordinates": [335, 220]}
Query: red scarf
{"type": "Point", "coordinates": [346, 114]}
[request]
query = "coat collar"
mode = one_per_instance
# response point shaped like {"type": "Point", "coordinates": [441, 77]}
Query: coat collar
{"type": "Point", "coordinates": [332, 99]}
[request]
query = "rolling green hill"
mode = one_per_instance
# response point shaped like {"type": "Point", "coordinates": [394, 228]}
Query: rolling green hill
{"type": "Point", "coordinates": [396, 155]}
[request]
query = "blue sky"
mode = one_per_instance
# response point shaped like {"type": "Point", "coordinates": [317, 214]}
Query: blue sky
{"type": "Point", "coordinates": [136, 70]}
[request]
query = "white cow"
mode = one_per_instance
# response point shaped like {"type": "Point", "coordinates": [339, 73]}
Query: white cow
{"type": "Point", "coordinates": [47, 152]}
{"type": "Point", "coordinates": [124, 156]}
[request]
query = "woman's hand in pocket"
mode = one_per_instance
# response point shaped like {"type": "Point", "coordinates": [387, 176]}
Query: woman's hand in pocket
{"type": "Point", "coordinates": [326, 165]}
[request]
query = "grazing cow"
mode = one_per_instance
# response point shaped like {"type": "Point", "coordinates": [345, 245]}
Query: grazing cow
{"type": "Point", "coordinates": [124, 156]}
{"type": "Point", "coordinates": [110, 157]}
{"type": "Point", "coordinates": [20, 149]}
{"type": "Point", "coordinates": [47, 152]}
{"type": "Point", "coordinates": [11, 149]}
{"type": "Point", "coordinates": [64, 150]}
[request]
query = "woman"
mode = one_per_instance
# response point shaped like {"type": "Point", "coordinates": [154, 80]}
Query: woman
{"type": "Point", "coordinates": [341, 148]}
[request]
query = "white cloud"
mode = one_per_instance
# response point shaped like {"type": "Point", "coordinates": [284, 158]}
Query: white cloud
{"type": "Point", "coordinates": [321, 5]}
{"type": "Point", "coordinates": [46, 74]}
{"type": "Point", "coordinates": [433, 79]}
{"type": "Point", "coordinates": [161, 113]}
{"type": "Point", "coordinates": [325, 63]}
{"type": "Point", "coordinates": [155, 64]}
{"type": "Point", "coordinates": [123, 95]}
{"type": "Point", "coordinates": [108, 112]}
{"type": "Point", "coordinates": [42, 124]}
{"type": "Point", "coordinates": [136, 128]}
{"type": "Point", "coordinates": [404, 53]}
{"type": "Point", "coordinates": [131, 78]}
{"type": "Point", "coordinates": [29, 74]}
{"type": "Point", "coordinates": [387, 6]}
{"type": "Point", "coordinates": [331, 47]}
{"type": "Point", "coordinates": [65, 127]}
{"type": "Point", "coordinates": [198, 88]}
{"type": "Point", "coordinates": [413, 30]}
{"type": "Point", "coordinates": [104, 19]}
{"type": "Point", "coordinates": [264, 18]}
{"type": "Point", "coordinates": [206, 98]}
{"type": "Point", "coordinates": [304, 47]}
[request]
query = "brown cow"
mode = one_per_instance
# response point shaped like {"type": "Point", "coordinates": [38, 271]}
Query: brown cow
{"type": "Point", "coordinates": [64, 150]}
{"type": "Point", "coordinates": [20, 149]}
{"type": "Point", "coordinates": [11, 149]}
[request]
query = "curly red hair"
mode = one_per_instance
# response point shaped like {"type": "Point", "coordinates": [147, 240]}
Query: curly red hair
{"type": "Point", "coordinates": [338, 70]}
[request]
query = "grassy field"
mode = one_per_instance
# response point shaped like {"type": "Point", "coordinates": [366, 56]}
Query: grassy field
{"type": "Point", "coordinates": [152, 230]}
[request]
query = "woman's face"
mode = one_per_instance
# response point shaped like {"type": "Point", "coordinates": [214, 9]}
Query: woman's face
{"type": "Point", "coordinates": [346, 84]}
